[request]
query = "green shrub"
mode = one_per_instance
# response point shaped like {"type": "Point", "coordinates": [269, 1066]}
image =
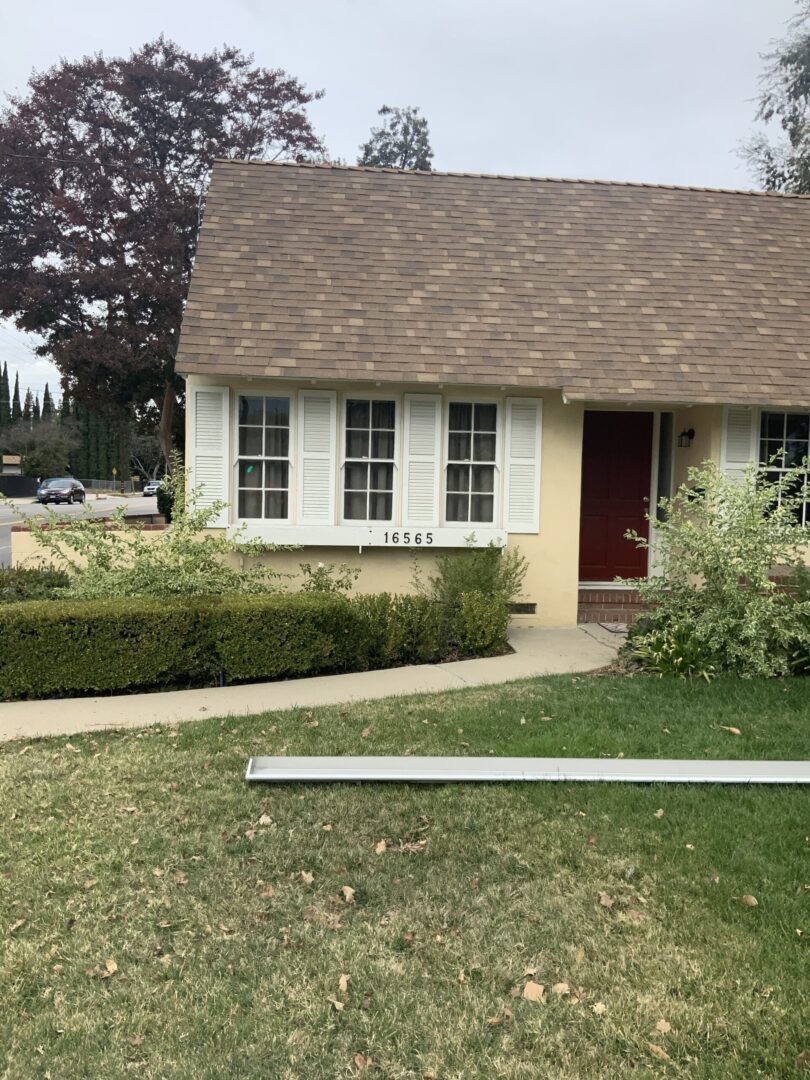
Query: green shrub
{"type": "Point", "coordinates": [714, 607]}
{"type": "Point", "coordinates": [270, 637]}
{"type": "Point", "coordinates": [165, 501]}
{"type": "Point", "coordinates": [54, 647]}
{"type": "Point", "coordinates": [62, 647]}
{"type": "Point", "coordinates": [23, 583]}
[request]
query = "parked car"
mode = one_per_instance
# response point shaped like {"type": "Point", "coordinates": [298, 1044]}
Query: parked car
{"type": "Point", "coordinates": [151, 487]}
{"type": "Point", "coordinates": [61, 489]}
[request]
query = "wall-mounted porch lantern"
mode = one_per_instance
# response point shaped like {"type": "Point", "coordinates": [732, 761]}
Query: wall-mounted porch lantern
{"type": "Point", "coordinates": [686, 436]}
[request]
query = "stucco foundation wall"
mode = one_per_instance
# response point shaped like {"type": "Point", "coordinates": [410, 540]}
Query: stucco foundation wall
{"type": "Point", "coordinates": [27, 551]}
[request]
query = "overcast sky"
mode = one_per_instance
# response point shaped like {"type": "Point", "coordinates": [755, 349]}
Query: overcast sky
{"type": "Point", "coordinates": [651, 90]}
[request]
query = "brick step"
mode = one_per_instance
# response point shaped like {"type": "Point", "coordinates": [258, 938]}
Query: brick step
{"type": "Point", "coordinates": [609, 606]}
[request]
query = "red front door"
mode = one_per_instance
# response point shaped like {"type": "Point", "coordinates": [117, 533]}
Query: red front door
{"type": "Point", "coordinates": [616, 477]}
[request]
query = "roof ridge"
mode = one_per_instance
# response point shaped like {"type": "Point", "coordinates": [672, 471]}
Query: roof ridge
{"type": "Point", "coordinates": [510, 176]}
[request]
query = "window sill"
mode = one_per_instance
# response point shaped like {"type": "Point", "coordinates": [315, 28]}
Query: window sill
{"type": "Point", "coordinates": [385, 536]}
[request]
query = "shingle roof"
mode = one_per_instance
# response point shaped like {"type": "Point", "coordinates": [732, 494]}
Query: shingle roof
{"type": "Point", "coordinates": [607, 291]}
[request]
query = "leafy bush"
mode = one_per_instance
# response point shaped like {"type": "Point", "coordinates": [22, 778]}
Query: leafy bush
{"type": "Point", "coordinates": [165, 499]}
{"type": "Point", "coordinates": [472, 584]}
{"type": "Point", "coordinates": [328, 578]}
{"type": "Point", "coordinates": [117, 558]}
{"type": "Point", "coordinates": [60, 647]}
{"type": "Point", "coordinates": [21, 583]}
{"type": "Point", "coordinates": [714, 606]}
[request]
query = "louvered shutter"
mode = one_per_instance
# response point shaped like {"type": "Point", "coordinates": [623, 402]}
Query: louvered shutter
{"type": "Point", "coordinates": [317, 450]}
{"type": "Point", "coordinates": [522, 460]}
{"type": "Point", "coordinates": [739, 440]}
{"type": "Point", "coordinates": [210, 458]}
{"type": "Point", "coordinates": [422, 460]}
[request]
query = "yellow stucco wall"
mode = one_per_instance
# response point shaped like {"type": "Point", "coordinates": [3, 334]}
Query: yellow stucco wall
{"type": "Point", "coordinates": [26, 550]}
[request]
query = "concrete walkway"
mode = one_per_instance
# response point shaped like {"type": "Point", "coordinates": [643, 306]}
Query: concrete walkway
{"type": "Point", "coordinates": [537, 652]}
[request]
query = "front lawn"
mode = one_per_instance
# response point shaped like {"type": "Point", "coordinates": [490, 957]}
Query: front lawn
{"type": "Point", "coordinates": [160, 918]}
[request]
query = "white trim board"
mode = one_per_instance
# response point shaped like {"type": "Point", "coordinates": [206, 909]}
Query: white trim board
{"type": "Point", "coordinates": [450, 770]}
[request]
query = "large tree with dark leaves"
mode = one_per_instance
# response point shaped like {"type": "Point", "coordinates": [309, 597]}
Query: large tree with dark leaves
{"type": "Point", "coordinates": [783, 164]}
{"type": "Point", "coordinates": [104, 165]}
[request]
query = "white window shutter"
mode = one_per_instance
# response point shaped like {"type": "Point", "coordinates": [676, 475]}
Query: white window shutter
{"type": "Point", "coordinates": [739, 440]}
{"type": "Point", "coordinates": [422, 460]}
{"type": "Point", "coordinates": [210, 457]}
{"type": "Point", "coordinates": [522, 460]}
{"type": "Point", "coordinates": [317, 451]}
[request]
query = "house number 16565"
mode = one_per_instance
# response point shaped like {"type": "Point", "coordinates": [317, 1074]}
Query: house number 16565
{"type": "Point", "coordinates": [408, 538]}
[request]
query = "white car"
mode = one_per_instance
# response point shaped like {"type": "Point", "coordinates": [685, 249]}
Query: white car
{"type": "Point", "coordinates": [151, 487]}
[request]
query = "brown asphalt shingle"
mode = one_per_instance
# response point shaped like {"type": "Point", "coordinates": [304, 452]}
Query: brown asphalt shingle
{"type": "Point", "coordinates": [613, 292]}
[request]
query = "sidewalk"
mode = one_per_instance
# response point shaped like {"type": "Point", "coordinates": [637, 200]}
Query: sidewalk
{"type": "Point", "coordinates": [537, 652]}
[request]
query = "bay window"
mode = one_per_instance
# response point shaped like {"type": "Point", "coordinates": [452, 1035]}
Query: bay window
{"type": "Point", "coordinates": [263, 465]}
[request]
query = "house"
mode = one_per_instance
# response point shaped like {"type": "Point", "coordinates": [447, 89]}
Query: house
{"type": "Point", "coordinates": [381, 365]}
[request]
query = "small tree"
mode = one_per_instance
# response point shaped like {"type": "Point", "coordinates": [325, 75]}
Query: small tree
{"type": "Point", "coordinates": [401, 142]}
{"type": "Point", "coordinates": [714, 604]}
{"type": "Point", "coordinates": [45, 449]}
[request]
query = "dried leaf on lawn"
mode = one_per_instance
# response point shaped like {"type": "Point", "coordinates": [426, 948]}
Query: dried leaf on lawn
{"type": "Point", "coordinates": [534, 991]}
{"type": "Point", "coordinates": [664, 1027]}
{"type": "Point", "coordinates": [336, 1005]}
{"type": "Point", "coordinates": [599, 1008]}
{"type": "Point", "coordinates": [343, 984]}
{"type": "Point", "coordinates": [730, 730]}
{"type": "Point", "coordinates": [306, 877]}
{"type": "Point", "coordinates": [749, 901]}
{"type": "Point", "coordinates": [348, 893]}
{"type": "Point", "coordinates": [380, 847]}
{"type": "Point", "coordinates": [561, 988]}
{"type": "Point", "coordinates": [659, 1052]}
{"type": "Point", "coordinates": [15, 926]}
{"type": "Point", "coordinates": [606, 900]}
{"type": "Point", "coordinates": [658, 813]}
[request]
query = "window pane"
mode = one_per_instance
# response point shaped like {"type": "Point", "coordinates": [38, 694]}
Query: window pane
{"type": "Point", "coordinates": [354, 505]}
{"type": "Point", "coordinates": [483, 447]}
{"type": "Point", "coordinates": [483, 478]}
{"type": "Point", "coordinates": [276, 474]}
{"type": "Point", "coordinates": [382, 414]}
{"type": "Point", "coordinates": [277, 442]}
{"type": "Point", "coordinates": [482, 508]}
{"type": "Point", "coordinates": [458, 477]}
{"type": "Point", "coordinates": [457, 507]}
{"type": "Point", "coordinates": [250, 440]}
{"type": "Point", "coordinates": [382, 477]}
{"type": "Point", "coordinates": [380, 506]}
{"type": "Point", "coordinates": [773, 425]}
{"type": "Point", "coordinates": [460, 416]}
{"type": "Point", "coordinates": [458, 447]}
{"type": "Point", "coordinates": [795, 454]}
{"type": "Point", "coordinates": [356, 477]}
{"type": "Point", "coordinates": [250, 504]}
{"type": "Point", "coordinates": [357, 444]}
{"type": "Point", "coordinates": [382, 444]}
{"type": "Point", "coordinates": [250, 474]}
{"type": "Point", "coordinates": [357, 414]}
{"type": "Point", "coordinates": [275, 504]}
{"type": "Point", "coordinates": [797, 425]}
{"type": "Point", "coordinates": [485, 416]}
{"type": "Point", "coordinates": [277, 411]}
{"type": "Point", "coordinates": [251, 410]}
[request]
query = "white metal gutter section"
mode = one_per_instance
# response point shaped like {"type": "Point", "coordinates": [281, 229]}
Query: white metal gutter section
{"type": "Point", "coordinates": [454, 770]}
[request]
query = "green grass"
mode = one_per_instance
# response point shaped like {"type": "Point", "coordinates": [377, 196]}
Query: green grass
{"type": "Point", "coordinates": [147, 849]}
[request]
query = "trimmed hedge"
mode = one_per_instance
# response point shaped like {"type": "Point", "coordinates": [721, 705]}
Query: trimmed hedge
{"type": "Point", "coordinates": [70, 647]}
{"type": "Point", "coordinates": [22, 583]}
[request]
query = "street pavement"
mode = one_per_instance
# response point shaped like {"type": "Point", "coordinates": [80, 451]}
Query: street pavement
{"type": "Point", "coordinates": [12, 510]}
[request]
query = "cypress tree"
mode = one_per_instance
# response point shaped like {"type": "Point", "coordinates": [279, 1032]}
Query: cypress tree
{"type": "Point", "coordinates": [16, 408]}
{"type": "Point", "coordinates": [65, 408]}
{"type": "Point", "coordinates": [47, 405]}
{"type": "Point", "coordinates": [5, 398]}
{"type": "Point", "coordinates": [37, 414]}
{"type": "Point", "coordinates": [28, 407]}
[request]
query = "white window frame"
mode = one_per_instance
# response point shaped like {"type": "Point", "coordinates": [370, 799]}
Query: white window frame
{"type": "Point", "coordinates": [781, 470]}
{"type": "Point", "coordinates": [497, 495]}
{"type": "Point", "coordinates": [399, 419]}
{"type": "Point", "coordinates": [292, 447]}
